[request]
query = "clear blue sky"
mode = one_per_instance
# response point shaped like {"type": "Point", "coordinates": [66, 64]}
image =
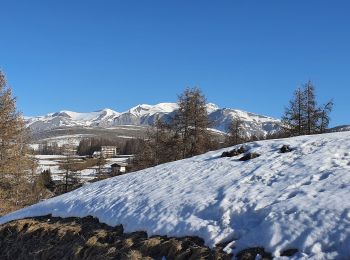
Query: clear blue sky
{"type": "Point", "coordinates": [87, 55]}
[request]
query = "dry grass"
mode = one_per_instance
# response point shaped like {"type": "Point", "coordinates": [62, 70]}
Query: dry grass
{"type": "Point", "coordinates": [86, 238]}
{"type": "Point", "coordinates": [133, 255]}
{"type": "Point", "coordinates": [79, 165]}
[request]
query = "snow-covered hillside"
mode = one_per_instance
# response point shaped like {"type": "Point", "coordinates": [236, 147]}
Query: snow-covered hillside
{"type": "Point", "coordinates": [341, 128]}
{"type": "Point", "coordinates": [296, 200]}
{"type": "Point", "coordinates": [145, 115]}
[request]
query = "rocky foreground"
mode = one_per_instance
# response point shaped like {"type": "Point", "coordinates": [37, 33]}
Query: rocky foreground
{"type": "Point", "coordinates": [86, 238]}
{"type": "Point", "coordinates": [50, 237]}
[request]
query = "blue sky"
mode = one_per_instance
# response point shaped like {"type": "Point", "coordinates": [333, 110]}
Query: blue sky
{"type": "Point", "coordinates": [88, 55]}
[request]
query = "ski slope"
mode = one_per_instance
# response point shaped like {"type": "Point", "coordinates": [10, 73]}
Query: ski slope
{"type": "Point", "coordinates": [297, 200]}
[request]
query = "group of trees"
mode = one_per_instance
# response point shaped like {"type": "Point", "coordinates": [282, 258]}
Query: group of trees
{"type": "Point", "coordinates": [88, 146]}
{"type": "Point", "coordinates": [303, 115]}
{"type": "Point", "coordinates": [49, 148]}
{"type": "Point", "coordinates": [185, 135]}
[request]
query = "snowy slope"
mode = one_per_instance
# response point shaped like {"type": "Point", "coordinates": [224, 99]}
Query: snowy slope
{"type": "Point", "coordinates": [145, 115]}
{"type": "Point", "coordinates": [278, 201]}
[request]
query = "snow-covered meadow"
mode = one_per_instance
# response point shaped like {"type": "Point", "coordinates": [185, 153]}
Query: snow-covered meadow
{"type": "Point", "coordinates": [297, 200]}
{"type": "Point", "coordinates": [53, 162]}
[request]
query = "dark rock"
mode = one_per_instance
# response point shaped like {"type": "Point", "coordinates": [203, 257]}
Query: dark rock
{"type": "Point", "coordinates": [234, 152]}
{"type": "Point", "coordinates": [228, 153]}
{"type": "Point", "coordinates": [170, 248]}
{"type": "Point", "coordinates": [249, 156]}
{"type": "Point", "coordinates": [251, 253]}
{"type": "Point", "coordinates": [225, 154]}
{"type": "Point", "coordinates": [192, 241]}
{"type": "Point", "coordinates": [285, 149]}
{"type": "Point", "coordinates": [289, 252]}
{"type": "Point", "coordinates": [138, 235]}
{"type": "Point", "coordinates": [184, 255]}
{"type": "Point", "coordinates": [241, 150]}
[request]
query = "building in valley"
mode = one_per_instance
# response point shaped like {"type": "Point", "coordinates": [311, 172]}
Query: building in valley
{"type": "Point", "coordinates": [109, 151]}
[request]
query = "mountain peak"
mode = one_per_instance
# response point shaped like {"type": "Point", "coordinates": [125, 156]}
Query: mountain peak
{"type": "Point", "coordinates": [211, 107]}
{"type": "Point", "coordinates": [143, 109]}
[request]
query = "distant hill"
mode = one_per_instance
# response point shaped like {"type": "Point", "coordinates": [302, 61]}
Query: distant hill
{"type": "Point", "coordinates": [341, 128]}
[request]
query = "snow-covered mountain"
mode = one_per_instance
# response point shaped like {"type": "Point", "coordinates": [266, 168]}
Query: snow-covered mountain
{"type": "Point", "coordinates": [297, 201]}
{"type": "Point", "coordinates": [143, 115]}
{"type": "Point", "coordinates": [253, 124]}
{"type": "Point", "coordinates": [69, 119]}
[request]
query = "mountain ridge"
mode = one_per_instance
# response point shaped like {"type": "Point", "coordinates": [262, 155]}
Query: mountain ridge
{"type": "Point", "coordinates": [146, 115]}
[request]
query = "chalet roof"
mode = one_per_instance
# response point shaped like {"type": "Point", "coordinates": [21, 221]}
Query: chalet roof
{"type": "Point", "coordinates": [119, 164]}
